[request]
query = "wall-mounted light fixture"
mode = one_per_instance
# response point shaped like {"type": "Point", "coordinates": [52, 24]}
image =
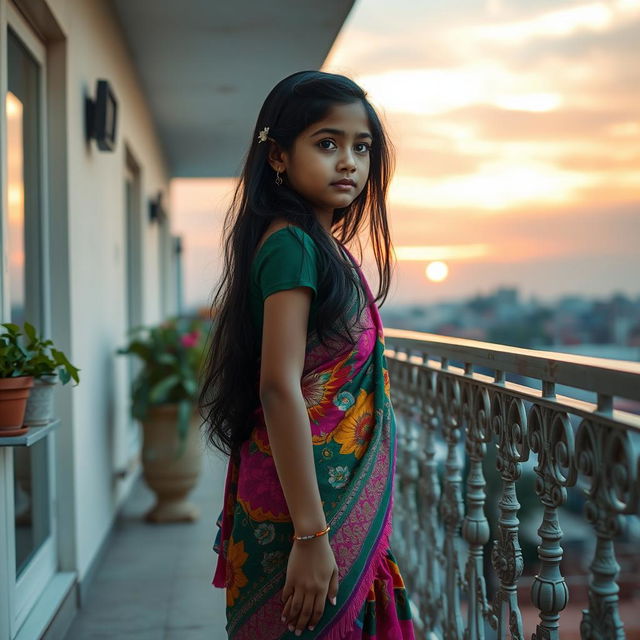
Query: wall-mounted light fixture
{"type": "Point", "coordinates": [101, 117]}
{"type": "Point", "coordinates": [156, 210]}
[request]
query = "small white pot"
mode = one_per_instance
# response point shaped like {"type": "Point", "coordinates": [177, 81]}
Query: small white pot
{"type": "Point", "coordinates": [40, 401]}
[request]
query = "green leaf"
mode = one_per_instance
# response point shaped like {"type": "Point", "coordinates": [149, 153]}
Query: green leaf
{"type": "Point", "coordinates": [140, 398]}
{"type": "Point", "coordinates": [185, 409]}
{"type": "Point", "coordinates": [190, 386]}
{"type": "Point", "coordinates": [159, 391]}
{"type": "Point", "coordinates": [139, 349]}
{"type": "Point", "coordinates": [70, 370]}
{"type": "Point", "coordinates": [14, 329]}
{"type": "Point", "coordinates": [166, 358]}
{"type": "Point", "coordinates": [30, 331]}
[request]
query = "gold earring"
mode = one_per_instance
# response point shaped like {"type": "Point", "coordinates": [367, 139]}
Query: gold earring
{"type": "Point", "coordinates": [278, 178]}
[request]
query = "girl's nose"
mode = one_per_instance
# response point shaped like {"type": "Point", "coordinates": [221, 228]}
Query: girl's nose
{"type": "Point", "coordinates": [347, 161]}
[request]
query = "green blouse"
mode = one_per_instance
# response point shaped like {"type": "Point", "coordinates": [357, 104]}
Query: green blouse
{"type": "Point", "coordinates": [287, 259]}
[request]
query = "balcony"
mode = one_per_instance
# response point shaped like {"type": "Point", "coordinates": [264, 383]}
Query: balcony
{"type": "Point", "coordinates": [482, 426]}
{"type": "Point", "coordinates": [574, 464]}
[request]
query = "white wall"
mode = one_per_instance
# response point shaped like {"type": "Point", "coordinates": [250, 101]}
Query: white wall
{"type": "Point", "coordinates": [97, 224]}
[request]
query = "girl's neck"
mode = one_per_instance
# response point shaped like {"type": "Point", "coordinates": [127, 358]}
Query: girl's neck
{"type": "Point", "coordinates": [325, 218]}
{"type": "Point", "coordinates": [325, 222]}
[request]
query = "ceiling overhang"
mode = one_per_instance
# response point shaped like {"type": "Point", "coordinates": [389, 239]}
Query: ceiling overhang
{"type": "Point", "coordinates": [206, 67]}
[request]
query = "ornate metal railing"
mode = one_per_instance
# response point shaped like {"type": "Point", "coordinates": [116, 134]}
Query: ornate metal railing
{"type": "Point", "coordinates": [449, 415]}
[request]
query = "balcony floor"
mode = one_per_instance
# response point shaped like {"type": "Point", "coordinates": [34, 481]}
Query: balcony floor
{"type": "Point", "coordinates": [155, 580]}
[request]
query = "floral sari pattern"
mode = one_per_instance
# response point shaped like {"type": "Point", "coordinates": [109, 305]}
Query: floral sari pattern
{"type": "Point", "coordinates": [347, 396]}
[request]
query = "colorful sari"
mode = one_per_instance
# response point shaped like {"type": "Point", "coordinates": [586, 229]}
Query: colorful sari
{"type": "Point", "coordinates": [347, 394]}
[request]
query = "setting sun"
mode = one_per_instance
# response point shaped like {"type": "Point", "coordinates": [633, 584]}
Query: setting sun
{"type": "Point", "coordinates": [437, 271]}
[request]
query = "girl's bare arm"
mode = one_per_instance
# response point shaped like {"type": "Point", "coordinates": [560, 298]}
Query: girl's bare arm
{"type": "Point", "coordinates": [312, 572]}
{"type": "Point", "coordinates": [283, 350]}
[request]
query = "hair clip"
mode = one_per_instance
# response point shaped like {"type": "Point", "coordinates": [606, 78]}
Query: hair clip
{"type": "Point", "coordinates": [262, 136]}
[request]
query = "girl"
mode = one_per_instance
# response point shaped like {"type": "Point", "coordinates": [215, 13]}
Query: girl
{"type": "Point", "coordinates": [296, 387]}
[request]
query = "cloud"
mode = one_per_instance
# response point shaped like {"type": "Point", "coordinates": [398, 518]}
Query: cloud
{"type": "Point", "coordinates": [443, 252]}
{"type": "Point", "coordinates": [439, 164]}
{"type": "Point", "coordinates": [563, 22]}
{"type": "Point", "coordinates": [613, 44]}
{"type": "Point", "coordinates": [600, 163]}
{"type": "Point", "coordinates": [495, 123]}
{"type": "Point", "coordinates": [499, 186]}
{"type": "Point", "coordinates": [526, 232]}
{"type": "Point", "coordinates": [360, 54]}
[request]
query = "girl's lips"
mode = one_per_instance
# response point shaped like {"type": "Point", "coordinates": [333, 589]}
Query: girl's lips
{"type": "Point", "coordinates": [341, 186]}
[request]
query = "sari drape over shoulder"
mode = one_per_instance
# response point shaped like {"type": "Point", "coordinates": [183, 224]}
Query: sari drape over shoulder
{"type": "Point", "coordinates": [347, 394]}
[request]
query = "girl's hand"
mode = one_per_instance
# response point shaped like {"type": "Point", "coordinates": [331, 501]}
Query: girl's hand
{"type": "Point", "coordinates": [312, 577]}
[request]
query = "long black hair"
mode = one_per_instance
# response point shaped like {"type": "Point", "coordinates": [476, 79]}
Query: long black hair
{"type": "Point", "coordinates": [229, 392]}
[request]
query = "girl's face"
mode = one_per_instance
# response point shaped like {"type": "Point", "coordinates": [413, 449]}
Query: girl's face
{"type": "Point", "coordinates": [329, 153]}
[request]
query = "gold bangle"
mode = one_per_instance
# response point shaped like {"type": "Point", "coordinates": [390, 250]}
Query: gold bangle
{"type": "Point", "coordinates": [313, 535]}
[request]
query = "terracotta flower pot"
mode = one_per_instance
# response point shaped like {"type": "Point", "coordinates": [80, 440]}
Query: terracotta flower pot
{"type": "Point", "coordinates": [170, 477]}
{"type": "Point", "coordinates": [39, 409]}
{"type": "Point", "coordinates": [13, 401]}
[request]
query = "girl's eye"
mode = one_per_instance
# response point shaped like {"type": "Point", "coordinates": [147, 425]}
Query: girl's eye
{"type": "Point", "coordinates": [329, 145]}
{"type": "Point", "coordinates": [330, 142]}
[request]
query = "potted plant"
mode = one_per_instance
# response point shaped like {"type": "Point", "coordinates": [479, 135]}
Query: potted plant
{"type": "Point", "coordinates": [15, 381]}
{"type": "Point", "coordinates": [163, 397]}
{"type": "Point", "coordinates": [46, 364]}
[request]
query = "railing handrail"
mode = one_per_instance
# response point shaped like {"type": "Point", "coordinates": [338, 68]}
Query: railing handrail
{"type": "Point", "coordinates": [605, 376]}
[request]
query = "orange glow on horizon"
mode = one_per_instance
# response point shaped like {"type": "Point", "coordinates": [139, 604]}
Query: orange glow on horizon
{"type": "Point", "coordinates": [435, 253]}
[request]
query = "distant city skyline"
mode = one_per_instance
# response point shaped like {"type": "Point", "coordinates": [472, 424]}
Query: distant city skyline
{"type": "Point", "coordinates": [517, 131]}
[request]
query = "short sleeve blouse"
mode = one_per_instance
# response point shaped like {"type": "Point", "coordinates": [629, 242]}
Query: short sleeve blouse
{"type": "Point", "coordinates": [287, 259]}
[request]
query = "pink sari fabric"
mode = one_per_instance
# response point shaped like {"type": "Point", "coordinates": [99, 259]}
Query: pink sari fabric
{"type": "Point", "coordinates": [385, 614]}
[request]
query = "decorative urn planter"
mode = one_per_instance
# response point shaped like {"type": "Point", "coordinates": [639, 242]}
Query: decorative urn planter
{"type": "Point", "coordinates": [169, 475]}
{"type": "Point", "coordinates": [39, 409]}
{"type": "Point", "coordinates": [13, 401]}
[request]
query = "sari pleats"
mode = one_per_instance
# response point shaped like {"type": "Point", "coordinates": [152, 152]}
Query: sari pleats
{"type": "Point", "coordinates": [385, 615]}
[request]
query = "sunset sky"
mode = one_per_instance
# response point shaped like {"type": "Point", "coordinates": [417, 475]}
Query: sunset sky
{"type": "Point", "coordinates": [517, 134]}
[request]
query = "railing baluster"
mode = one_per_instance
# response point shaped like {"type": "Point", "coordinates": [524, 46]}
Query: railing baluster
{"type": "Point", "coordinates": [410, 498]}
{"type": "Point", "coordinates": [510, 425]}
{"type": "Point", "coordinates": [430, 498]}
{"type": "Point", "coordinates": [551, 437]}
{"type": "Point", "coordinates": [401, 516]}
{"type": "Point", "coordinates": [399, 513]}
{"type": "Point", "coordinates": [451, 506]}
{"type": "Point", "coordinates": [606, 456]}
{"type": "Point", "coordinates": [475, 528]}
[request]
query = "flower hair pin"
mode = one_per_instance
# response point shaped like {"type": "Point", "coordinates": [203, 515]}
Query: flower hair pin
{"type": "Point", "coordinates": [263, 135]}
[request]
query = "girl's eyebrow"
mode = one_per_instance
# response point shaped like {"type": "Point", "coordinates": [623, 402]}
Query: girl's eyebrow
{"type": "Point", "coordinates": [339, 132]}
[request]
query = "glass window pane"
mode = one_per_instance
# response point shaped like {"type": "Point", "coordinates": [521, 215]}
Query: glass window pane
{"type": "Point", "coordinates": [31, 495]}
{"type": "Point", "coordinates": [24, 242]}
{"type": "Point", "coordinates": [15, 192]}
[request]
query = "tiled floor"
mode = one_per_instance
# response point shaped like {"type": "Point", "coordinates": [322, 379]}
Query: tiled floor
{"type": "Point", "coordinates": [155, 580]}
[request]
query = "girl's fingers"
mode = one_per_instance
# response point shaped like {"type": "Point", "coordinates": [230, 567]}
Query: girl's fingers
{"type": "Point", "coordinates": [286, 610]}
{"type": "Point", "coordinates": [333, 587]}
{"type": "Point", "coordinates": [294, 611]}
{"type": "Point", "coordinates": [286, 592]}
{"type": "Point", "coordinates": [318, 609]}
{"type": "Point", "coordinates": [306, 611]}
